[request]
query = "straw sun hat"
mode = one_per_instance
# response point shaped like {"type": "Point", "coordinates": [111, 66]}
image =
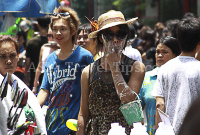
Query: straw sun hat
{"type": "Point", "coordinates": [110, 19]}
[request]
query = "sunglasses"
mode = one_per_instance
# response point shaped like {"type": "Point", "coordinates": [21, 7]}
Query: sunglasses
{"type": "Point", "coordinates": [120, 35]}
{"type": "Point", "coordinates": [61, 14]}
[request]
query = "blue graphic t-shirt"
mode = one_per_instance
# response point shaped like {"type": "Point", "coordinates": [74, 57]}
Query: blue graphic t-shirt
{"type": "Point", "coordinates": [148, 100]}
{"type": "Point", "coordinates": [62, 79]}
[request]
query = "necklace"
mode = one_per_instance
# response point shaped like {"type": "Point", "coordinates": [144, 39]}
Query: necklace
{"type": "Point", "coordinates": [73, 49]}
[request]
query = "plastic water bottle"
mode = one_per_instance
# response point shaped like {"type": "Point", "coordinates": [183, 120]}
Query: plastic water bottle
{"type": "Point", "coordinates": [138, 129]}
{"type": "Point", "coordinates": [116, 129]}
{"type": "Point", "coordinates": [123, 131]}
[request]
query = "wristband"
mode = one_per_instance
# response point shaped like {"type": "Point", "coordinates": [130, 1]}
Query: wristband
{"type": "Point", "coordinates": [35, 88]}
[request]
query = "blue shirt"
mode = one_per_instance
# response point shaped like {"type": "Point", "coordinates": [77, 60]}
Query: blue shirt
{"type": "Point", "coordinates": [148, 101]}
{"type": "Point", "coordinates": [62, 79]}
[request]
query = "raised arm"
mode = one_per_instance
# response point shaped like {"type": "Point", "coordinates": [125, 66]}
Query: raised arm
{"type": "Point", "coordinates": [124, 90]}
{"type": "Point", "coordinates": [84, 113]}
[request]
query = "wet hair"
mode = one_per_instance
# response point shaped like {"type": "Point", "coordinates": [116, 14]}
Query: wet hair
{"type": "Point", "coordinates": [122, 26]}
{"type": "Point", "coordinates": [188, 33]}
{"type": "Point", "coordinates": [73, 20]}
{"type": "Point", "coordinates": [6, 38]}
{"type": "Point", "coordinates": [172, 43]}
{"type": "Point", "coordinates": [86, 27]}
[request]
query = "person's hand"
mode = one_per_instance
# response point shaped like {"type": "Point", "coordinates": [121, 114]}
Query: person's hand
{"type": "Point", "coordinates": [34, 90]}
{"type": "Point", "coordinates": [113, 59]}
{"type": "Point", "coordinates": [113, 53]}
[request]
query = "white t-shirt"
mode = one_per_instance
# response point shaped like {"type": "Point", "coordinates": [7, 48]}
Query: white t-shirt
{"type": "Point", "coordinates": [179, 83]}
{"type": "Point", "coordinates": [32, 102]}
{"type": "Point", "coordinates": [132, 53]}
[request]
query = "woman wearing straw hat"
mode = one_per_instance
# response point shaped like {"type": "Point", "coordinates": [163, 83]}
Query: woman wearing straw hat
{"type": "Point", "coordinates": [111, 80]}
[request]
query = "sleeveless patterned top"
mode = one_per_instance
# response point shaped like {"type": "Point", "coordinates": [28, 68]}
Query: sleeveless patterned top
{"type": "Point", "coordinates": [104, 102]}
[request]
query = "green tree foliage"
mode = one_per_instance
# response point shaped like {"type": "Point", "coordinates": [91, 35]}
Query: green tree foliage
{"type": "Point", "coordinates": [127, 7]}
{"type": "Point", "coordinates": [171, 9]}
{"type": "Point", "coordinates": [81, 7]}
{"type": "Point", "coordinates": [106, 5]}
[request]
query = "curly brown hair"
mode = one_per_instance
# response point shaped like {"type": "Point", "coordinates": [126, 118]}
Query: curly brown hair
{"type": "Point", "coordinates": [73, 20]}
{"type": "Point", "coordinates": [6, 38]}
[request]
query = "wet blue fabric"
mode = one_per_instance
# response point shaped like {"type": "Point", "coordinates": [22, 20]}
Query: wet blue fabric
{"type": "Point", "coordinates": [14, 5]}
{"type": "Point", "coordinates": [28, 8]}
{"type": "Point", "coordinates": [47, 6]}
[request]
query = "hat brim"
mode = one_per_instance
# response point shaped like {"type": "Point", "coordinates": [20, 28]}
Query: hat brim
{"type": "Point", "coordinates": [94, 34]}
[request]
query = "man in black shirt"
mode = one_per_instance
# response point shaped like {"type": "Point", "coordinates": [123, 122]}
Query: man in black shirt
{"type": "Point", "coordinates": [33, 50]}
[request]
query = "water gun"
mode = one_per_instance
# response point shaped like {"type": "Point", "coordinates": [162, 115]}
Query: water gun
{"type": "Point", "coordinates": [72, 124]}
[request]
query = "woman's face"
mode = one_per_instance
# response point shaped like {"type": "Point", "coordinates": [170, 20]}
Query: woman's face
{"type": "Point", "coordinates": [61, 31]}
{"type": "Point", "coordinates": [83, 39]}
{"type": "Point", "coordinates": [8, 58]}
{"type": "Point", "coordinates": [114, 39]}
{"type": "Point", "coordinates": [163, 54]}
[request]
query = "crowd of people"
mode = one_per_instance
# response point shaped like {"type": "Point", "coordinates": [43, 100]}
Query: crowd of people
{"type": "Point", "coordinates": [87, 71]}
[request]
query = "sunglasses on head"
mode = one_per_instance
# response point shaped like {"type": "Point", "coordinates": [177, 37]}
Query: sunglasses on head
{"type": "Point", "coordinates": [120, 35]}
{"type": "Point", "coordinates": [61, 14]}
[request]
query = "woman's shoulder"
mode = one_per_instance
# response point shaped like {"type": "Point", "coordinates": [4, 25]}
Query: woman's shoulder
{"type": "Point", "coordinates": [88, 68]}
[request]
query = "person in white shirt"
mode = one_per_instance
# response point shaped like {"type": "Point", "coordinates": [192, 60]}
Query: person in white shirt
{"type": "Point", "coordinates": [129, 50]}
{"type": "Point", "coordinates": [178, 83]}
